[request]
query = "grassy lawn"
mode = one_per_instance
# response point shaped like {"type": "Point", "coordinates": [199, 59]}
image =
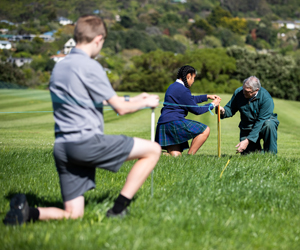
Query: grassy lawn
{"type": "Point", "coordinates": [255, 205]}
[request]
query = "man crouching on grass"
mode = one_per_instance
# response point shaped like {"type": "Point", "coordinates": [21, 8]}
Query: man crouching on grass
{"type": "Point", "coordinates": [79, 86]}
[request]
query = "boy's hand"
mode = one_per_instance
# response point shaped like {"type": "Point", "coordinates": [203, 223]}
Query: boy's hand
{"type": "Point", "coordinates": [152, 101]}
{"type": "Point", "coordinates": [139, 97]}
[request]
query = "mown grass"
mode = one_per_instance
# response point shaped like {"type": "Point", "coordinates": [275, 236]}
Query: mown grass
{"type": "Point", "coordinates": [255, 205]}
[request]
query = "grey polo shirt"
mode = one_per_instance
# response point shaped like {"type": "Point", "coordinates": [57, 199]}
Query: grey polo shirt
{"type": "Point", "coordinates": [78, 86]}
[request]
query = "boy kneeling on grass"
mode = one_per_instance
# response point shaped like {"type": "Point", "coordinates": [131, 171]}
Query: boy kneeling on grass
{"type": "Point", "coordinates": [79, 86]}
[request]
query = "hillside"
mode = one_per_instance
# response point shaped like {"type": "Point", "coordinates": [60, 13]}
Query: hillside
{"type": "Point", "coordinates": [148, 40]}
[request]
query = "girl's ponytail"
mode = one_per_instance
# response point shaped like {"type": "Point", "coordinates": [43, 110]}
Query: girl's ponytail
{"type": "Point", "coordinates": [183, 72]}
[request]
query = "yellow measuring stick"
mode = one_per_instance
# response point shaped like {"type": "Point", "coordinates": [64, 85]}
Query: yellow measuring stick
{"type": "Point", "coordinates": [224, 168]}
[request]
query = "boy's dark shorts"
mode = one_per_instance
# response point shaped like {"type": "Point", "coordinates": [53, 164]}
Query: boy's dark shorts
{"type": "Point", "coordinates": [76, 161]}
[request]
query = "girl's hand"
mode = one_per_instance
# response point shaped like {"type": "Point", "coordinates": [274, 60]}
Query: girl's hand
{"type": "Point", "coordinates": [213, 97]}
{"type": "Point", "coordinates": [216, 101]}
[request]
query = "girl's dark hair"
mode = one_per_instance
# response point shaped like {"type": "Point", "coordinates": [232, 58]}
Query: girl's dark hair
{"type": "Point", "coordinates": [183, 72]}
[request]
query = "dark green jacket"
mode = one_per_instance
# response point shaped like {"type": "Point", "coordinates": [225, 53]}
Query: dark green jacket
{"type": "Point", "coordinates": [253, 113]}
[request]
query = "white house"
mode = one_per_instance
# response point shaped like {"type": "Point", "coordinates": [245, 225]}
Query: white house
{"type": "Point", "coordinates": [57, 58]}
{"type": "Point", "coordinates": [64, 21]}
{"type": "Point", "coordinates": [46, 38]}
{"type": "Point", "coordinates": [69, 45]}
{"type": "Point", "coordinates": [291, 25]}
{"type": "Point", "coordinates": [30, 37]}
{"type": "Point", "coordinates": [179, 1]}
{"type": "Point", "coordinates": [3, 31]}
{"type": "Point", "coordinates": [118, 18]}
{"type": "Point", "coordinates": [19, 61]}
{"type": "Point", "coordinates": [5, 45]}
{"type": "Point", "coordinates": [8, 22]}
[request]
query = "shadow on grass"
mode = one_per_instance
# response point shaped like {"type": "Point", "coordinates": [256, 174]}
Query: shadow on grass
{"type": "Point", "coordinates": [34, 200]}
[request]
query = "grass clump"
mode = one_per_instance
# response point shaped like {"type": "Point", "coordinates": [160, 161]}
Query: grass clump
{"type": "Point", "coordinates": [254, 205]}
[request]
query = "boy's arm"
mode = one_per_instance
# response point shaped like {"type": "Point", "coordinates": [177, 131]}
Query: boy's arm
{"type": "Point", "coordinates": [122, 107]}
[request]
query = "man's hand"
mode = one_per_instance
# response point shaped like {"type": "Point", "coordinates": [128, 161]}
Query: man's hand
{"type": "Point", "coordinates": [222, 110]}
{"type": "Point", "coordinates": [213, 97]}
{"type": "Point", "coordinates": [242, 146]}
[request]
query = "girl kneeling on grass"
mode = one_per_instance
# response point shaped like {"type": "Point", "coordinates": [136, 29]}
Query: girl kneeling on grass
{"type": "Point", "coordinates": [173, 131]}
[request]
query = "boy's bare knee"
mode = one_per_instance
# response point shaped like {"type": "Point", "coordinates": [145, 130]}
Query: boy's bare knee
{"type": "Point", "coordinates": [76, 215]}
{"type": "Point", "coordinates": [73, 214]}
{"type": "Point", "coordinates": [74, 208]}
{"type": "Point", "coordinates": [157, 148]}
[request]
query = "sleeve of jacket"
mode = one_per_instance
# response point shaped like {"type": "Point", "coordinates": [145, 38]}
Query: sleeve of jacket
{"type": "Point", "coordinates": [200, 98]}
{"type": "Point", "coordinates": [191, 102]}
{"type": "Point", "coordinates": [231, 107]}
{"type": "Point", "coordinates": [265, 111]}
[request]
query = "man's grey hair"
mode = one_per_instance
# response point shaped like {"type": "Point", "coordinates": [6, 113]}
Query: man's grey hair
{"type": "Point", "coordinates": [252, 82]}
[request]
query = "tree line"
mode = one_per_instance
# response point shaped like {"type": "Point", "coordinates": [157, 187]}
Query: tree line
{"type": "Point", "coordinates": [219, 70]}
{"type": "Point", "coordinates": [153, 38]}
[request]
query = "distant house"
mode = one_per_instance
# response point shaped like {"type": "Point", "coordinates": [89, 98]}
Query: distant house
{"type": "Point", "coordinates": [14, 38]}
{"type": "Point", "coordinates": [5, 45]}
{"type": "Point", "coordinates": [19, 61]}
{"type": "Point", "coordinates": [46, 38]}
{"type": "Point", "coordinates": [69, 45]}
{"type": "Point", "coordinates": [64, 21]}
{"type": "Point", "coordinates": [179, 1]}
{"type": "Point", "coordinates": [3, 31]}
{"type": "Point", "coordinates": [58, 57]}
{"type": "Point", "coordinates": [8, 22]}
{"type": "Point", "coordinates": [291, 25]}
{"type": "Point", "coordinates": [118, 18]}
{"type": "Point", "coordinates": [30, 37]}
{"type": "Point", "coordinates": [50, 33]}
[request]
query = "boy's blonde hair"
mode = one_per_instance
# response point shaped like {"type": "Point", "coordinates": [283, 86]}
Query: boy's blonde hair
{"type": "Point", "coordinates": [88, 27]}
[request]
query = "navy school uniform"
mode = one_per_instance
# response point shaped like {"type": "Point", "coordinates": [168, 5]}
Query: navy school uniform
{"type": "Point", "coordinates": [172, 127]}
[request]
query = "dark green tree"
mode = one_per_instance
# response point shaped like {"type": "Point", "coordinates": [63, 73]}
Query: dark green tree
{"type": "Point", "coordinates": [126, 22]}
{"type": "Point", "coordinates": [278, 74]}
{"type": "Point", "coordinates": [153, 71]}
{"type": "Point", "coordinates": [11, 74]}
{"type": "Point", "coordinates": [216, 15]}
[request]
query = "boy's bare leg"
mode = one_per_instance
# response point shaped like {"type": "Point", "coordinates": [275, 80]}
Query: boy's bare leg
{"type": "Point", "coordinates": [198, 141]}
{"type": "Point", "coordinates": [73, 210]}
{"type": "Point", "coordinates": [174, 150]}
{"type": "Point", "coordinates": [148, 154]}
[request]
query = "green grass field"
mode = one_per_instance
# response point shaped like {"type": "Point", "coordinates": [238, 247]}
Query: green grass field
{"type": "Point", "coordinates": [255, 205]}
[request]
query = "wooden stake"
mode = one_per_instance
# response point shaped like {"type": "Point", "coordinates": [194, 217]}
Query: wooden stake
{"type": "Point", "coordinates": [219, 133]}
